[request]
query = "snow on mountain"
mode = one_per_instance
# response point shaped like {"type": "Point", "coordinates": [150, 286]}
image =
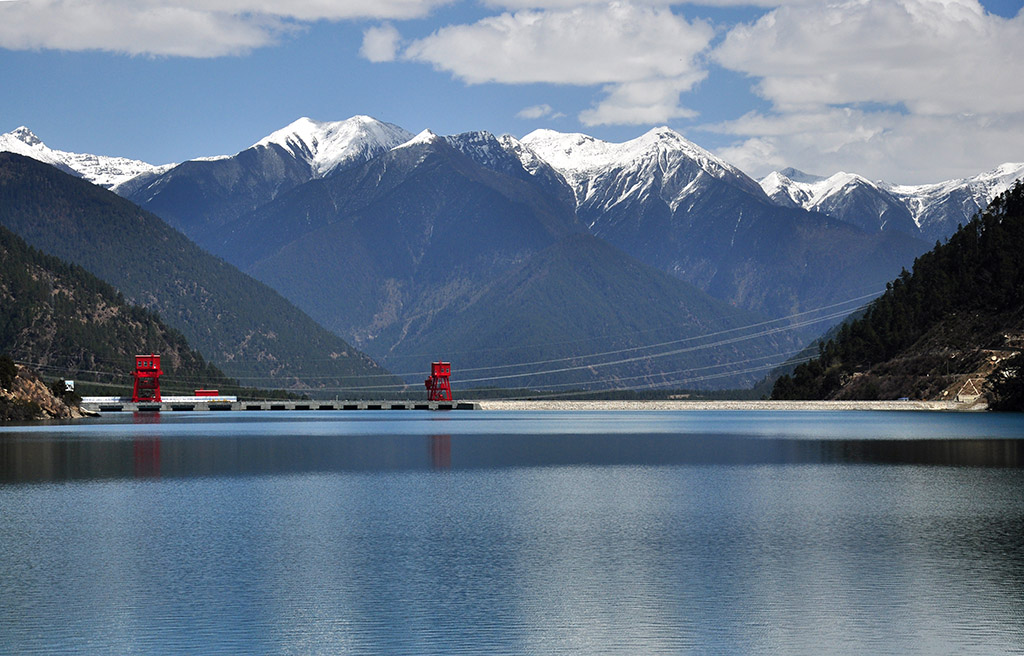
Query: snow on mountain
{"type": "Point", "coordinates": [527, 156]}
{"type": "Point", "coordinates": [99, 169]}
{"type": "Point", "coordinates": [330, 145]}
{"type": "Point", "coordinates": [661, 162]}
{"type": "Point", "coordinates": [784, 191]}
{"type": "Point", "coordinates": [504, 154]}
{"type": "Point", "coordinates": [938, 208]}
{"type": "Point", "coordinates": [814, 192]}
{"type": "Point", "coordinates": [425, 137]}
{"type": "Point", "coordinates": [483, 147]}
{"type": "Point", "coordinates": [931, 210]}
{"type": "Point", "coordinates": [844, 196]}
{"type": "Point", "coordinates": [511, 157]}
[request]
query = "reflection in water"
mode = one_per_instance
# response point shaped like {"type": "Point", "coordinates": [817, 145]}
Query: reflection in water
{"type": "Point", "coordinates": [148, 454]}
{"type": "Point", "coordinates": [441, 451]}
{"type": "Point", "coordinates": [146, 448]}
{"type": "Point", "coordinates": [146, 417]}
{"type": "Point", "coordinates": [147, 457]}
{"type": "Point", "coordinates": [282, 541]}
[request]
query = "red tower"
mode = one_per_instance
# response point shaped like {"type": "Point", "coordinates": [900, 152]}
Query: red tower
{"type": "Point", "coordinates": [439, 388]}
{"type": "Point", "coordinates": [147, 378]}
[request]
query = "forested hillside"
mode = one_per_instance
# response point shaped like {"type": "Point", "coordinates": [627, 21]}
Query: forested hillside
{"type": "Point", "coordinates": [65, 322]}
{"type": "Point", "coordinates": [570, 317]}
{"type": "Point", "coordinates": [243, 326]}
{"type": "Point", "coordinates": [958, 316]}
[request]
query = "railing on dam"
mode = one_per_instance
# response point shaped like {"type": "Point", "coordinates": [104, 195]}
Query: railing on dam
{"type": "Point", "coordinates": [114, 404]}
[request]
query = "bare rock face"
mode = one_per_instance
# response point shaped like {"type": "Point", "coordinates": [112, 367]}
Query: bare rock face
{"type": "Point", "coordinates": [29, 398]}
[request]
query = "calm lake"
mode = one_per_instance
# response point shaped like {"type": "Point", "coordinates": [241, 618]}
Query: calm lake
{"type": "Point", "coordinates": [514, 533]}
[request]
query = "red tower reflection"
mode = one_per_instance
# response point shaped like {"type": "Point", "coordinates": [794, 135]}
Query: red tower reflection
{"type": "Point", "coordinates": [146, 448]}
{"type": "Point", "coordinates": [441, 451]}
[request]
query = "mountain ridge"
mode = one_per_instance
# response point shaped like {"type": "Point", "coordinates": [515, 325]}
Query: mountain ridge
{"type": "Point", "coordinates": [102, 170]}
{"type": "Point", "coordinates": [485, 222]}
{"type": "Point", "coordinates": [670, 204]}
{"type": "Point", "coordinates": [248, 330]}
{"type": "Point", "coordinates": [931, 211]}
{"type": "Point", "coordinates": [935, 208]}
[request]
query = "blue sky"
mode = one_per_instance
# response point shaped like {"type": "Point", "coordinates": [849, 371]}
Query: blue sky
{"type": "Point", "coordinates": [905, 90]}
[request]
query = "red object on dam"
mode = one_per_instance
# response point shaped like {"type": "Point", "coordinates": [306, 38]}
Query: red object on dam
{"type": "Point", "coordinates": [439, 387]}
{"type": "Point", "coordinates": [147, 379]}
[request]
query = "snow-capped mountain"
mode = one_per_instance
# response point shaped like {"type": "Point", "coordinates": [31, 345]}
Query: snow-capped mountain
{"type": "Point", "coordinates": [938, 208]}
{"type": "Point", "coordinates": [660, 163]}
{"type": "Point", "coordinates": [509, 156]}
{"type": "Point", "coordinates": [378, 233]}
{"type": "Point", "coordinates": [844, 196]}
{"type": "Point", "coordinates": [330, 145]}
{"type": "Point", "coordinates": [377, 249]}
{"type": "Point", "coordinates": [931, 211]}
{"type": "Point", "coordinates": [99, 169]}
{"type": "Point", "coordinates": [674, 205]}
{"type": "Point", "coordinates": [200, 196]}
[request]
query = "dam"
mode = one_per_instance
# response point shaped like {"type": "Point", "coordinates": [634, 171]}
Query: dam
{"type": "Point", "coordinates": [102, 404]}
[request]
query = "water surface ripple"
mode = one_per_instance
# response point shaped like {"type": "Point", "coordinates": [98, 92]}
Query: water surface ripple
{"type": "Point", "coordinates": [514, 533]}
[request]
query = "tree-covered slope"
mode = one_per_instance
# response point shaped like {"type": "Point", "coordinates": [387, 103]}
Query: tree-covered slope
{"type": "Point", "coordinates": [581, 314]}
{"type": "Point", "coordinates": [957, 316]}
{"type": "Point", "coordinates": [239, 324]}
{"type": "Point", "coordinates": [65, 322]}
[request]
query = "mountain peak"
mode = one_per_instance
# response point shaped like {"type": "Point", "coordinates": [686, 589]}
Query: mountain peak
{"type": "Point", "coordinates": [661, 162]}
{"type": "Point", "coordinates": [329, 145]}
{"type": "Point", "coordinates": [26, 136]}
{"type": "Point", "coordinates": [664, 134]}
{"type": "Point", "coordinates": [578, 153]}
{"type": "Point", "coordinates": [778, 186]}
{"type": "Point", "coordinates": [99, 169]}
{"type": "Point", "coordinates": [427, 136]}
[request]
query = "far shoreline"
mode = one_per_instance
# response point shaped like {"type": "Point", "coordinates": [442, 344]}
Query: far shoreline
{"type": "Point", "coordinates": [919, 406]}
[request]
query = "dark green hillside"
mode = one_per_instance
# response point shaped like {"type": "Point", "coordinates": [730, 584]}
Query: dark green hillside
{"type": "Point", "coordinates": [242, 326]}
{"type": "Point", "coordinates": [580, 297]}
{"type": "Point", "coordinates": [955, 317]}
{"type": "Point", "coordinates": [65, 322]}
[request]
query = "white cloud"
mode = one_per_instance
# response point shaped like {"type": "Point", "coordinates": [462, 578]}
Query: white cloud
{"type": "Point", "coordinates": [933, 56]}
{"type": "Point", "coordinates": [380, 44]}
{"type": "Point", "coordinates": [538, 111]}
{"type": "Point", "coordinates": [516, 5]}
{"type": "Point", "coordinates": [647, 55]}
{"type": "Point", "coordinates": [190, 28]}
{"type": "Point", "coordinates": [590, 45]}
{"type": "Point", "coordinates": [310, 10]}
{"type": "Point", "coordinates": [902, 89]}
{"type": "Point", "coordinates": [893, 146]}
{"type": "Point", "coordinates": [643, 103]}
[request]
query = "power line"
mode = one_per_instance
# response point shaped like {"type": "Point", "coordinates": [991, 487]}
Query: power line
{"type": "Point", "coordinates": [793, 325]}
{"type": "Point", "coordinates": [535, 363]}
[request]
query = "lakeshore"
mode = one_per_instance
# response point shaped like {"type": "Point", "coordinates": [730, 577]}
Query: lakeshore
{"type": "Point", "coordinates": [676, 405]}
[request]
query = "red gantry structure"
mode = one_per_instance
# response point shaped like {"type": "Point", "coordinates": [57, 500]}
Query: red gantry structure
{"type": "Point", "coordinates": [439, 387]}
{"type": "Point", "coordinates": [147, 379]}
